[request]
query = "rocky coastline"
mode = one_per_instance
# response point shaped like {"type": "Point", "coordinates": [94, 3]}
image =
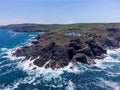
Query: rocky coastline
{"type": "Point", "coordinates": [54, 50]}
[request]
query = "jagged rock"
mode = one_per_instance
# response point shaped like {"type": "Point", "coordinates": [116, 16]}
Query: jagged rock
{"type": "Point", "coordinates": [80, 57]}
{"type": "Point", "coordinates": [86, 50]}
{"type": "Point", "coordinates": [96, 49]}
{"type": "Point", "coordinates": [55, 55]}
{"type": "Point", "coordinates": [33, 50]}
{"type": "Point", "coordinates": [75, 43]}
{"type": "Point", "coordinates": [59, 58]}
{"type": "Point", "coordinates": [71, 53]}
{"type": "Point", "coordinates": [35, 42]}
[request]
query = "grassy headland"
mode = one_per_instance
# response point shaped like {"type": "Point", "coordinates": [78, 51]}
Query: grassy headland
{"type": "Point", "coordinates": [61, 44]}
{"type": "Point", "coordinates": [56, 32]}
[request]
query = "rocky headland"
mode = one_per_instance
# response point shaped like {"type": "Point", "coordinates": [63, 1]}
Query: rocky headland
{"type": "Point", "coordinates": [55, 49]}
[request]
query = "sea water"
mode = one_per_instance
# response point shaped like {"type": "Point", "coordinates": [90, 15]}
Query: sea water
{"type": "Point", "coordinates": [17, 75]}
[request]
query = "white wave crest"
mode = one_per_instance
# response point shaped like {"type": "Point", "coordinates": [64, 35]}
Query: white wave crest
{"type": "Point", "coordinates": [70, 86]}
{"type": "Point", "coordinates": [110, 84]}
{"type": "Point", "coordinates": [12, 87]}
{"type": "Point", "coordinates": [3, 49]}
{"type": "Point", "coordinates": [108, 61]}
{"type": "Point", "coordinates": [10, 52]}
{"type": "Point", "coordinates": [114, 51]}
{"type": "Point", "coordinates": [29, 67]}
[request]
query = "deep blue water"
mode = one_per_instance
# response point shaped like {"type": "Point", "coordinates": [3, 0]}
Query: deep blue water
{"type": "Point", "coordinates": [15, 75]}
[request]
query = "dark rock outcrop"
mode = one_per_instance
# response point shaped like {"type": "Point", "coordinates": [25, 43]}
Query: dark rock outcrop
{"type": "Point", "coordinates": [52, 54]}
{"type": "Point", "coordinates": [56, 56]}
{"type": "Point", "coordinates": [81, 57]}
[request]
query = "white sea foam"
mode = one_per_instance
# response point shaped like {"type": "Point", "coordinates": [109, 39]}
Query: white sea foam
{"type": "Point", "coordinates": [10, 56]}
{"type": "Point", "coordinates": [102, 63]}
{"type": "Point", "coordinates": [14, 34]}
{"type": "Point", "coordinates": [31, 69]}
{"type": "Point", "coordinates": [29, 66]}
{"type": "Point", "coordinates": [28, 42]}
{"type": "Point", "coordinates": [112, 85]}
{"type": "Point", "coordinates": [70, 86]}
{"type": "Point", "coordinates": [29, 79]}
{"type": "Point", "coordinates": [48, 74]}
{"type": "Point", "coordinates": [4, 73]}
{"type": "Point", "coordinates": [14, 86]}
{"type": "Point", "coordinates": [114, 51]}
{"type": "Point", "coordinates": [6, 65]}
{"type": "Point", "coordinates": [2, 62]}
{"type": "Point", "coordinates": [3, 49]}
{"type": "Point", "coordinates": [113, 74]}
{"type": "Point", "coordinates": [26, 65]}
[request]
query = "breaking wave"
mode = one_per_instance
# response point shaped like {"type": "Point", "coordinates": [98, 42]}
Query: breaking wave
{"type": "Point", "coordinates": [14, 74]}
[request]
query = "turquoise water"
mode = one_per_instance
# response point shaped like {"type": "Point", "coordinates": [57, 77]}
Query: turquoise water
{"type": "Point", "coordinates": [15, 75]}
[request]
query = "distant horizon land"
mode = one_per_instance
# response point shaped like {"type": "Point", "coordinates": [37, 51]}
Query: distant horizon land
{"type": "Point", "coordinates": [60, 23]}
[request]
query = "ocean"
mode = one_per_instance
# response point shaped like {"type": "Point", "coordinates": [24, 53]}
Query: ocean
{"type": "Point", "coordinates": [17, 75]}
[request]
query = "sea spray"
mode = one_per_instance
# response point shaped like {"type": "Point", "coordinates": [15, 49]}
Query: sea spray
{"type": "Point", "coordinates": [14, 74]}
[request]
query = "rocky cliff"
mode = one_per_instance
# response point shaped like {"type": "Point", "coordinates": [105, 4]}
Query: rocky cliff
{"type": "Point", "coordinates": [54, 50]}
